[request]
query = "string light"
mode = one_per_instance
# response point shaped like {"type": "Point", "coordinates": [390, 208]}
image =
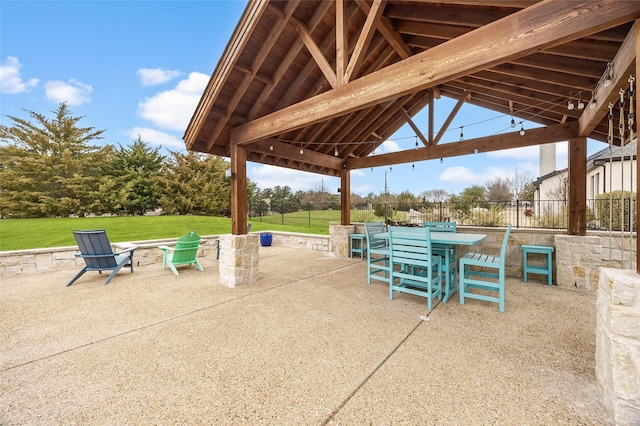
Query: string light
{"type": "Point", "coordinates": [522, 132]}
{"type": "Point", "coordinates": [594, 101]}
{"type": "Point", "coordinates": [441, 160]}
{"type": "Point", "coordinates": [570, 105]}
{"type": "Point", "coordinates": [416, 141]}
{"type": "Point", "coordinates": [475, 150]}
{"type": "Point", "coordinates": [513, 122]}
{"type": "Point", "coordinates": [301, 149]}
{"type": "Point", "coordinates": [461, 134]}
{"type": "Point", "coordinates": [580, 103]}
{"type": "Point", "coordinates": [271, 147]}
{"type": "Point", "coordinates": [336, 153]}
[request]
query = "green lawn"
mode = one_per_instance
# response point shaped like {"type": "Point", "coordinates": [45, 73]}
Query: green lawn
{"type": "Point", "coordinates": [20, 234]}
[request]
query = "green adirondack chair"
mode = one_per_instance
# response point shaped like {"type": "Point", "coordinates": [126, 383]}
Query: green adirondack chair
{"type": "Point", "coordinates": [184, 253]}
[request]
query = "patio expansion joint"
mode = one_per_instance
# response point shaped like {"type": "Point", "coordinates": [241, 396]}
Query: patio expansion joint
{"type": "Point", "coordinates": [373, 372]}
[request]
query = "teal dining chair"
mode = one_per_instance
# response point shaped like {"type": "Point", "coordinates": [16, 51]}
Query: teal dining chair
{"type": "Point", "coordinates": [487, 270]}
{"type": "Point", "coordinates": [414, 268]}
{"type": "Point", "coordinates": [450, 268]}
{"type": "Point", "coordinates": [377, 253]}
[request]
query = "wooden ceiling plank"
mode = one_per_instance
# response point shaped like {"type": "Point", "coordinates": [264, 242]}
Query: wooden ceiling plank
{"type": "Point", "coordinates": [537, 27]}
{"type": "Point", "coordinates": [539, 136]}
{"type": "Point", "coordinates": [366, 34]}
{"type": "Point", "coordinates": [624, 60]}
{"type": "Point", "coordinates": [285, 64]}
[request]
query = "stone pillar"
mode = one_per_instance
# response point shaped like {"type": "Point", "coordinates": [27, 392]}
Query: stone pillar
{"type": "Point", "coordinates": [618, 344]}
{"type": "Point", "coordinates": [239, 255]}
{"type": "Point", "coordinates": [339, 238]}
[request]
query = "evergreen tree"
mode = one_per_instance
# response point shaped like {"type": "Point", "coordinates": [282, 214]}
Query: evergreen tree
{"type": "Point", "coordinates": [195, 184]}
{"type": "Point", "coordinates": [136, 169]}
{"type": "Point", "coordinates": [48, 167]}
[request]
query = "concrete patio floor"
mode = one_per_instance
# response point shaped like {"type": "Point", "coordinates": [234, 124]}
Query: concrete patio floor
{"type": "Point", "coordinates": [309, 343]}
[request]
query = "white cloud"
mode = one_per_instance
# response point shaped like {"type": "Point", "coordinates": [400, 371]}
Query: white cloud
{"type": "Point", "coordinates": [73, 92]}
{"type": "Point", "coordinates": [10, 80]}
{"type": "Point", "coordinates": [172, 109]}
{"type": "Point", "coordinates": [388, 146]}
{"type": "Point", "coordinates": [153, 76]}
{"type": "Point", "coordinates": [460, 175]}
{"type": "Point", "coordinates": [267, 176]}
{"type": "Point", "coordinates": [529, 152]}
{"type": "Point", "coordinates": [156, 137]}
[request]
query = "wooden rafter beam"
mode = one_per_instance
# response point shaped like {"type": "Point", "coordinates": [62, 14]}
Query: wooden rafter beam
{"type": "Point", "coordinates": [465, 97]}
{"type": "Point", "coordinates": [539, 136]}
{"type": "Point", "coordinates": [289, 152]}
{"type": "Point", "coordinates": [342, 43]}
{"type": "Point", "coordinates": [318, 56]}
{"type": "Point", "coordinates": [623, 62]}
{"type": "Point", "coordinates": [385, 27]}
{"type": "Point", "coordinates": [415, 128]}
{"type": "Point", "coordinates": [366, 34]}
{"type": "Point", "coordinates": [543, 25]}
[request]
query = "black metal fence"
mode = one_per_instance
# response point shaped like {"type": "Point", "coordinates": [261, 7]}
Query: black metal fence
{"type": "Point", "coordinates": [602, 214]}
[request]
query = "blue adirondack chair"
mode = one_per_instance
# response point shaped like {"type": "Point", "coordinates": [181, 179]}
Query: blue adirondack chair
{"type": "Point", "coordinates": [96, 251]}
{"type": "Point", "coordinates": [184, 253]}
{"type": "Point", "coordinates": [492, 269]}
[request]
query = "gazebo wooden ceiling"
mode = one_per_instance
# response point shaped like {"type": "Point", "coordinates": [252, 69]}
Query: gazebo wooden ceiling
{"type": "Point", "coordinates": [340, 77]}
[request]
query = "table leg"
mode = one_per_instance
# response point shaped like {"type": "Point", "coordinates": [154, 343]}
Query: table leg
{"type": "Point", "coordinates": [450, 287]}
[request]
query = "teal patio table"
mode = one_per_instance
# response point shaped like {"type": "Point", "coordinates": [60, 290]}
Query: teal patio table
{"type": "Point", "coordinates": [453, 240]}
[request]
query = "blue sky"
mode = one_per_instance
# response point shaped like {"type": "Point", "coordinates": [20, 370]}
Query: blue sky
{"type": "Point", "coordinates": [139, 68]}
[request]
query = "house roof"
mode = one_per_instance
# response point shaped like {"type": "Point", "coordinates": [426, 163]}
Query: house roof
{"type": "Point", "coordinates": [318, 85]}
{"type": "Point", "coordinates": [614, 153]}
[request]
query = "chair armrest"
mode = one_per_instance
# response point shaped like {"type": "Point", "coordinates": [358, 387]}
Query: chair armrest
{"type": "Point", "coordinates": [166, 248]}
{"type": "Point", "coordinates": [129, 249]}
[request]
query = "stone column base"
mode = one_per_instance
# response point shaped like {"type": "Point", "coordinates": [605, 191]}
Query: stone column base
{"type": "Point", "coordinates": [239, 255]}
{"type": "Point", "coordinates": [618, 344]}
{"type": "Point", "coordinates": [339, 238]}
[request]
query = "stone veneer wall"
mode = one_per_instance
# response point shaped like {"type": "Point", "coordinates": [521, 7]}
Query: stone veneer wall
{"type": "Point", "coordinates": [579, 258]}
{"type": "Point", "coordinates": [618, 344]}
{"type": "Point", "coordinates": [576, 260]}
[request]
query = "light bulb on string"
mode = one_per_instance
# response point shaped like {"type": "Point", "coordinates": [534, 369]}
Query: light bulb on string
{"type": "Point", "coordinates": [413, 166]}
{"type": "Point", "coordinates": [522, 132]}
{"type": "Point", "coordinates": [441, 160]}
{"type": "Point", "coordinates": [570, 105]}
{"type": "Point", "coordinates": [271, 147]}
{"type": "Point", "coordinates": [594, 101]}
{"type": "Point", "coordinates": [336, 151]}
{"type": "Point", "coordinates": [513, 123]}
{"type": "Point", "coordinates": [416, 142]}
{"type": "Point", "coordinates": [580, 103]}
{"type": "Point", "coordinates": [301, 149]}
{"type": "Point", "coordinates": [390, 169]}
{"type": "Point", "coordinates": [607, 75]}
{"type": "Point", "coordinates": [461, 134]}
{"type": "Point", "coordinates": [475, 150]}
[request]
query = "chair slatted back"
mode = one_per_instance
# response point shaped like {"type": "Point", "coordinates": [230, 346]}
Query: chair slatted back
{"type": "Point", "coordinates": [186, 248]}
{"type": "Point", "coordinates": [503, 249]}
{"type": "Point", "coordinates": [412, 248]}
{"type": "Point", "coordinates": [440, 226]}
{"type": "Point", "coordinates": [93, 243]}
{"type": "Point", "coordinates": [371, 229]}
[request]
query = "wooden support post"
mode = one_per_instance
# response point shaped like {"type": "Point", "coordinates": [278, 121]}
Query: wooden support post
{"type": "Point", "coordinates": [637, 27]}
{"type": "Point", "coordinates": [345, 197]}
{"type": "Point", "coordinates": [577, 193]}
{"type": "Point", "coordinates": [238, 190]}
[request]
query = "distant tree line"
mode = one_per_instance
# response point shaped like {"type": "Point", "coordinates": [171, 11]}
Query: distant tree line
{"type": "Point", "coordinates": [50, 167]}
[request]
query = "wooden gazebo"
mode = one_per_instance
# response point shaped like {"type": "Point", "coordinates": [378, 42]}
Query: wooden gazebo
{"type": "Point", "coordinates": [317, 85]}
